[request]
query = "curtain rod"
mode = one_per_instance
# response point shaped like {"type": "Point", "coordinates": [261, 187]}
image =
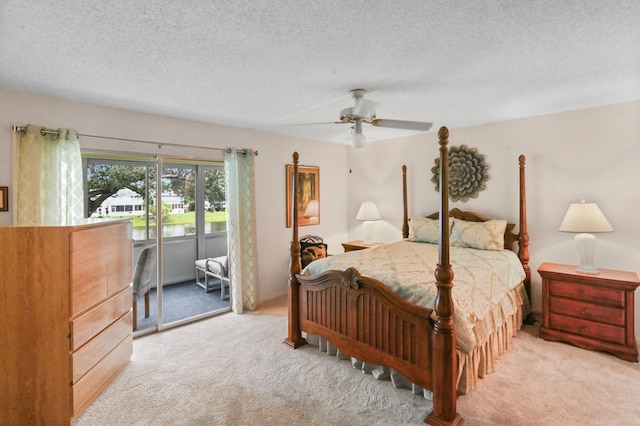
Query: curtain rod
{"type": "Point", "coordinates": [44, 131]}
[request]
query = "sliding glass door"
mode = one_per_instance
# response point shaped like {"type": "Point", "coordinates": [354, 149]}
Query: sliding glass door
{"type": "Point", "coordinates": [190, 211]}
{"type": "Point", "coordinates": [193, 227]}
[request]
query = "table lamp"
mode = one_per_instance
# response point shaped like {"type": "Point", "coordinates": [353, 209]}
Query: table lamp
{"type": "Point", "coordinates": [585, 218]}
{"type": "Point", "coordinates": [312, 211]}
{"type": "Point", "coordinates": [369, 213]}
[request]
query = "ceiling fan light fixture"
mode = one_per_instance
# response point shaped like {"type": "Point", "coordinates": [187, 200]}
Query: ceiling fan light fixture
{"type": "Point", "coordinates": [358, 140]}
{"type": "Point", "coordinates": [357, 137]}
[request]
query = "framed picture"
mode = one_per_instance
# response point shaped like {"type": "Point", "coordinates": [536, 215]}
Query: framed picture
{"type": "Point", "coordinates": [308, 187]}
{"type": "Point", "coordinates": [4, 198]}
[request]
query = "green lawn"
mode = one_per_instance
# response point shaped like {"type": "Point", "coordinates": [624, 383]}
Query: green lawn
{"type": "Point", "coordinates": [179, 219]}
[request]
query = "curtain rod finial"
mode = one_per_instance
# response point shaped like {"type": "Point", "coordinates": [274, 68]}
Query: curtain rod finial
{"type": "Point", "coordinates": [18, 129]}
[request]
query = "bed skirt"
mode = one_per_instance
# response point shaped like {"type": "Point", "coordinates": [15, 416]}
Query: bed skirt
{"type": "Point", "coordinates": [498, 328]}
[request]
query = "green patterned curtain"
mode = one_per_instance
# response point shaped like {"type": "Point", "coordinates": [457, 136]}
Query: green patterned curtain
{"type": "Point", "coordinates": [241, 229]}
{"type": "Point", "coordinates": [49, 172]}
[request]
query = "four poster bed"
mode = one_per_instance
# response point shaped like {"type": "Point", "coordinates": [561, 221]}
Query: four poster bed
{"type": "Point", "coordinates": [343, 299]}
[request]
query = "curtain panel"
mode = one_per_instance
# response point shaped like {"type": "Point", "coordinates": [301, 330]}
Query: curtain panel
{"type": "Point", "coordinates": [241, 228]}
{"type": "Point", "coordinates": [49, 178]}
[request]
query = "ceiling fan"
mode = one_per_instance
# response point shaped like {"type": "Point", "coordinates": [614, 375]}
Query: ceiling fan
{"type": "Point", "coordinates": [364, 111]}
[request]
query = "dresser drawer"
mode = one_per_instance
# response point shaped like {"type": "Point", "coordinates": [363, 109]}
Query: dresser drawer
{"type": "Point", "coordinates": [605, 332]}
{"type": "Point", "coordinates": [97, 348]}
{"type": "Point", "coordinates": [94, 382]}
{"type": "Point", "coordinates": [588, 311]}
{"type": "Point", "coordinates": [588, 293]}
{"type": "Point", "coordinates": [89, 324]}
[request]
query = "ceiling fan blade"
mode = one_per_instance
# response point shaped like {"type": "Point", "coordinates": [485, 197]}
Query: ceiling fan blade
{"type": "Point", "coordinates": [402, 124]}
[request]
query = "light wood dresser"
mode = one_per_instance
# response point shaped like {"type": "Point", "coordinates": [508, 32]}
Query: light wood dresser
{"type": "Point", "coordinates": [65, 304]}
{"type": "Point", "coordinates": [590, 311]}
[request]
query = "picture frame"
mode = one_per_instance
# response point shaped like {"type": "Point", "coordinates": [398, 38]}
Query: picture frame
{"type": "Point", "coordinates": [4, 198]}
{"type": "Point", "coordinates": [308, 187]}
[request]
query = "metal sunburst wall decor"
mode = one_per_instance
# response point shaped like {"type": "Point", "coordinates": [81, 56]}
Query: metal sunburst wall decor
{"type": "Point", "coordinates": [468, 173]}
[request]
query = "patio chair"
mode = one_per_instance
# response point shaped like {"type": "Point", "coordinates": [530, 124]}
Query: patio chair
{"type": "Point", "coordinates": [213, 267]}
{"type": "Point", "coordinates": [142, 274]}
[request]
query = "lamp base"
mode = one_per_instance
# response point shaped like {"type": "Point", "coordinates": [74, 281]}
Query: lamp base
{"type": "Point", "coordinates": [586, 245]}
{"type": "Point", "coordinates": [593, 271]}
{"type": "Point", "coordinates": [368, 231]}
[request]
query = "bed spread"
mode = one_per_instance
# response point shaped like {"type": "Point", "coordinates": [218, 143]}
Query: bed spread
{"type": "Point", "coordinates": [483, 280]}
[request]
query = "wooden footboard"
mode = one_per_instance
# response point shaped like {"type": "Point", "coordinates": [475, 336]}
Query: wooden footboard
{"type": "Point", "coordinates": [366, 320]}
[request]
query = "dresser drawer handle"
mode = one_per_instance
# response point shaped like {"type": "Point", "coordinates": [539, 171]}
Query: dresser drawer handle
{"type": "Point", "coordinates": [583, 329]}
{"type": "Point", "coordinates": [583, 293]}
{"type": "Point", "coordinates": [585, 312]}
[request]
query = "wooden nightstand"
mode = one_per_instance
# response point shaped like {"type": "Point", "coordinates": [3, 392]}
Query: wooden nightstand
{"type": "Point", "coordinates": [358, 245]}
{"type": "Point", "coordinates": [592, 311]}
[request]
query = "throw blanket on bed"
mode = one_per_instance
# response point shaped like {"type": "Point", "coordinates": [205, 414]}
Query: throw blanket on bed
{"type": "Point", "coordinates": [483, 280]}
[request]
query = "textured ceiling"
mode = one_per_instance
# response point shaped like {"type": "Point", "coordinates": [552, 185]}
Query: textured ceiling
{"type": "Point", "coordinates": [268, 65]}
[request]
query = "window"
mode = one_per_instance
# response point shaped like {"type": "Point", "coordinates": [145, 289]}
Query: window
{"type": "Point", "coordinates": [126, 187]}
{"type": "Point", "coordinates": [215, 205]}
{"type": "Point", "coordinates": [178, 191]}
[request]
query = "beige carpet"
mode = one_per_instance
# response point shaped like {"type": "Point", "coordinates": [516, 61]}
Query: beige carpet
{"type": "Point", "coordinates": [233, 370]}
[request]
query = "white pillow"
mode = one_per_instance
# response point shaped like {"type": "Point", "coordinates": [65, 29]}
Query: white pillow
{"type": "Point", "coordinates": [487, 235]}
{"type": "Point", "coordinates": [425, 230]}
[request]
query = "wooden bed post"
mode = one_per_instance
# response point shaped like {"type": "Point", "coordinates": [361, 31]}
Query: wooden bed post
{"type": "Point", "coordinates": [294, 339]}
{"type": "Point", "coordinates": [523, 237]}
{"type": "Point", "coordinates": [405, 218]}
{"type": "Point", "coordinates": [445, 363]}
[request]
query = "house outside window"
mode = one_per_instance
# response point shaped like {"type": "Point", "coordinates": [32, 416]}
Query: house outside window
{"type": "Point", "coordinates": [125, 187]}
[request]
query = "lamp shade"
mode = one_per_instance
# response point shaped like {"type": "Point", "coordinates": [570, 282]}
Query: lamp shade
{"type": "Point", "coordinates": [585, 217]}
{"type": "Point", "coordinates": [368, 211]}
{"type": "Point", "coordinates": [312, 209]}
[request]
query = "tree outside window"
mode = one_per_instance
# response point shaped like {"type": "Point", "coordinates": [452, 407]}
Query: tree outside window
{"type": "Point", "coordinates": [117, 188]}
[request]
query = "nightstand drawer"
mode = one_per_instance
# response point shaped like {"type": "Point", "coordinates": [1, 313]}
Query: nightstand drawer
{"type": "Point", "coordinates": [606, 332]}
{"type": "Point", "coordinates": [588, 311]}
{"type": "Point", "coordinates": [588, 293]}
